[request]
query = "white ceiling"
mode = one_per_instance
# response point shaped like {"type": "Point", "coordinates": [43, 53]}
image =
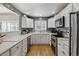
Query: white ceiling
{"type": "Point", "coordinates": [39, 9]}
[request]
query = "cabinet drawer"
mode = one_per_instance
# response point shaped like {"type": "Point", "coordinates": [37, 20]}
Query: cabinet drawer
{"type": "Point", "coordinates": [16, 48]}
{"type": "Point", "coordinates": [7, 53]}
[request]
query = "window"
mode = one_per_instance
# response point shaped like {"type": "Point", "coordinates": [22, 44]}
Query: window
{"type": "Point", "coordinates": [9, 26]}
{"type": "Point", "coordinates": [40, 25]}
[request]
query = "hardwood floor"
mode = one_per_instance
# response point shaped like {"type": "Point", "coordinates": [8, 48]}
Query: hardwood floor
{"type": "Point", "coordinates": [40, 50]}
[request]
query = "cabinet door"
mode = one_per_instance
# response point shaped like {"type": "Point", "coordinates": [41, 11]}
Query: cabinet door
{"type": "Point", "coordinates": [7, 53]}
{"type": "Point", "coordinates": [17, 50]}
{"type": "Point", "coordinates": [44, 39]}
{"type": "Point", "coordinates": [59, 46]}
{"type": "Point", "coordinates": [33, 39]}
{"type": "Point", "coordinates": [29, 23]}
{"type": "Point", "coordinates": [38, 39]}
{"type": "Point", "coordinates": [24, 47]}
{"type": "Point", "coordinates": [51, 22]}
{"type": "Point", "coordinates": [59, 50]}
{"type": "Point", "coordinates": [24, 22]}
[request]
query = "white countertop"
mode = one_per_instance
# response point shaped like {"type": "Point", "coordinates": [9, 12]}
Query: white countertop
{"type": "Point", "coordinates": [10, 41]}
{"type": "Point", "coordinates": [41, 32]}
{"type": "Point", "coordinates": [16, 37]}
{"type": "Point", "coordinates": [5, 46]}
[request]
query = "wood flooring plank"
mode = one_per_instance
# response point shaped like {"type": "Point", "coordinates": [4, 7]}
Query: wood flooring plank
{"type": "Point", "coordinates": [41, 50]}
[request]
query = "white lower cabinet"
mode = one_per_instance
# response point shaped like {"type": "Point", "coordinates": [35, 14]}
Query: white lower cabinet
{"type": "Point", "coordinates": [44, 39]}
{"type": "Point", "coordinates": [17, 50]}
{"type": "Point", "coordinates": [7, 53]}
{"type": "Point", "coordinates": [63, 47]}
{"type": "Point", "coordinates": [59, 50]}
{"type": "Point", "coordinates": [40, 39]}
{"type": "Point", "coordinates": [24, 47]}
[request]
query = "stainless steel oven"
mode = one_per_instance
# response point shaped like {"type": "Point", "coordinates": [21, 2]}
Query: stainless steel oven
{"type": "Point", "coordinates": [54, 44]}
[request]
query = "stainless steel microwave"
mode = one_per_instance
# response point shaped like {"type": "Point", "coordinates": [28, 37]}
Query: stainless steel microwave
{"type": "Point", "coordinates": [60, 22]}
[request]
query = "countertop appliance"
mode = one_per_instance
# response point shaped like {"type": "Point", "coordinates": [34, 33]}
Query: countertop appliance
{"type": "Point", "coordinates": [74, 33]}
{"type": "Point", "coordinates": [26, 30]}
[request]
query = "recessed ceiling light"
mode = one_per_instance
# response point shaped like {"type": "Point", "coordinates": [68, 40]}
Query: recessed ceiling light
{"type": "Point", "coordinates": [53, 12]}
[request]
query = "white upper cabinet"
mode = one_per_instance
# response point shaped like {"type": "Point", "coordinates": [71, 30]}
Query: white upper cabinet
{"type": "Point", "coordinates": [51, 22]}
{"type": "Point", "coordinates": [24, 22]}
{"type": "Point", "coordinates": [27, 22]}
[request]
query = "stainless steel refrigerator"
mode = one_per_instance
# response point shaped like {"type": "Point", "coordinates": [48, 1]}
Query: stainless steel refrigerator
{"type": "Point", "coordinates": [74, 34]}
